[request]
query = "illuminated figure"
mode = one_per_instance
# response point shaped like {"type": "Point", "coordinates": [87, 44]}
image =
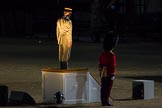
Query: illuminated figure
{"type": "Point", "coordinates": [64, 37]}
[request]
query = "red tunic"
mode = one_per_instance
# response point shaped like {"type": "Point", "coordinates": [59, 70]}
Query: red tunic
{"type": "Point", "coordinates": [108, 59]}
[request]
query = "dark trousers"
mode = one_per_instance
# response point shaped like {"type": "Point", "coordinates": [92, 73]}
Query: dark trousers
{"type": "Point", "coordinates": [106, 85]}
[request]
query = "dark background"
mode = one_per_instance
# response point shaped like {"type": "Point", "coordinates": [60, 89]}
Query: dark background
{"type": "Point", "coordinates": [32, 18]}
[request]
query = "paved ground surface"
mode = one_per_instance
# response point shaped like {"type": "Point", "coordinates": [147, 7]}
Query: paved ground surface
{"type": "Point", "coordinates": [21, 61]}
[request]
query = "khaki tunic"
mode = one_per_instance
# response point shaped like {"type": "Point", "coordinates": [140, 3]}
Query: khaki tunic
{"type": "Point", "coordinates": [64, 38]}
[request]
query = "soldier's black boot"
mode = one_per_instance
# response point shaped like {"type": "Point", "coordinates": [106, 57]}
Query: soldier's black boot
{"type": "Point", "coordinates": [61, 65]}
{"type": "Point", "coordinates": [64, 65]}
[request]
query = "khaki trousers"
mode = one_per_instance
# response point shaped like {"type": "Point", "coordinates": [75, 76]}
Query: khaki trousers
{"type": "Point", "coordinates": [64, 52]}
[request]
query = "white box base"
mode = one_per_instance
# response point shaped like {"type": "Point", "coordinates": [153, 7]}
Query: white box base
{"type": "Point", "coordinates": [148, 88]}
{"type": "Point", "coordinates": [77, 85]}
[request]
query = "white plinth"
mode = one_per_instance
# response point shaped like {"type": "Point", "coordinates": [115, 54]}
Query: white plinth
{"type": "Point", "coordinates": [146, 87]}
{"type": "Point", "coordinates": [77, 85]}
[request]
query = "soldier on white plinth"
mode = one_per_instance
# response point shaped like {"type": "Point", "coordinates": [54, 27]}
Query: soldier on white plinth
{"type": "Point", "coordinates": [64, 37]}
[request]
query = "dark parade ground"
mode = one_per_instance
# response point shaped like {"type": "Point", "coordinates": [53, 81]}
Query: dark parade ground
{"type": "Point", "coordinates": [21, 61]}
{"type": "Point", "coordinates": [28, 44]}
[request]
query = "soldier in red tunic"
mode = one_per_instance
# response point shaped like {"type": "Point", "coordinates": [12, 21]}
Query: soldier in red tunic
{"type": "Point", "coordinates": [107, 65]}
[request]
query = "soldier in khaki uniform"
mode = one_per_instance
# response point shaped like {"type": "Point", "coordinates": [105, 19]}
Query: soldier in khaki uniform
{"type": "Point", "coordinates": [64, 37]}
